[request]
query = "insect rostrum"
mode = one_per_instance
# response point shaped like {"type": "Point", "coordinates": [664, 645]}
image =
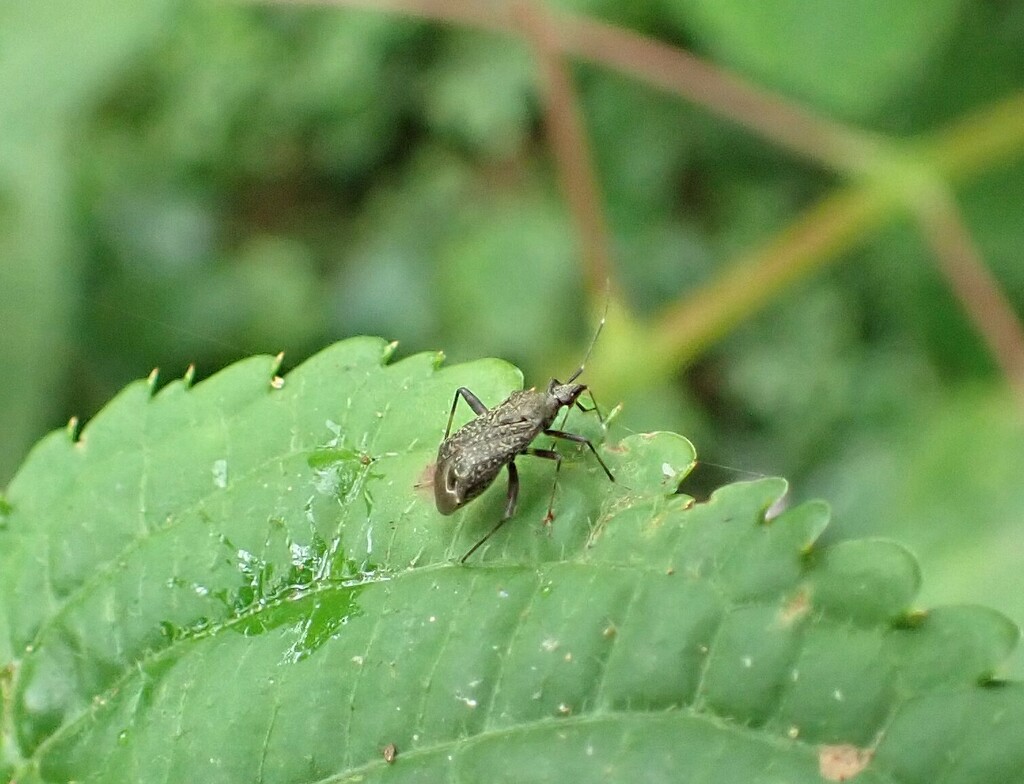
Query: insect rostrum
{"type": "Point", "coordinates": [469, 460]}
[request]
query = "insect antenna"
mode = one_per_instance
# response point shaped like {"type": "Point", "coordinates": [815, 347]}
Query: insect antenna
{"type": "Point", "coordinates": [586, 357]}
{"type": "Point", "coordinates": [706, 477]}
{"type": "Point", "coordinates": [597, 334]}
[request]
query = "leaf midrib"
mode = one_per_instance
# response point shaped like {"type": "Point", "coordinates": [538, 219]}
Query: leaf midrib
{"type": "Point", "coordinates": [172, 650]}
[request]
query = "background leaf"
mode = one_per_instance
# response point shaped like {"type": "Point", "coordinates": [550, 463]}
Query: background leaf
{"type": "Point", "coordinates": [243, 582]}
{"type": "Point", "coordinates": [850, 58]}
{"type": "Point", "coordinates": [53, 60]}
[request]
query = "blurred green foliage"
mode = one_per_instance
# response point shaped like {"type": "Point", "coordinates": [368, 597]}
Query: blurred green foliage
{"type": "Point", "coordinates": [187, 182]}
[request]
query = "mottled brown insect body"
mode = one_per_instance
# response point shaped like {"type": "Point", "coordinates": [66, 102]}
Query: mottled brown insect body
{"type": "Point", "coordinates": [469, 460]}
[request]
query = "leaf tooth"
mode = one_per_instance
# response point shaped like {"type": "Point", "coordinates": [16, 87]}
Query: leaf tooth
{"type": "Point", "coordinates": [910, 619]}
{"type": "Point", "coordinates": [151, 380]}
{"type": "Point", "coordinates": [277, 380]}
{"type": "Point", "coordinates": [275, 366]}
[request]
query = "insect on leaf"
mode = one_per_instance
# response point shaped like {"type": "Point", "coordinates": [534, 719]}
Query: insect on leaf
{"type": "Point", "coordinates": [246, 581]}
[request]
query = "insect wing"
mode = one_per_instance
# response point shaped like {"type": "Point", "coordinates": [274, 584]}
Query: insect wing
{"type": "Point", "coordinates": [470, 460]}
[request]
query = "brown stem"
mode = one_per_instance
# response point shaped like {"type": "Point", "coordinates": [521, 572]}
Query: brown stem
{"type": "Point", "coordinates": [832, 144]}
{"type": "Point", "coordinates": [836, 146]}
{"type": "Point", "coordinates": [568, 140]}
{"type": "Point", "coordinates": [973, 284]}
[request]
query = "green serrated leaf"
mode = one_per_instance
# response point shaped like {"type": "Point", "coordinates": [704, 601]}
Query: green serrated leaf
{"type": "Point", "coordinates": [247, 581]}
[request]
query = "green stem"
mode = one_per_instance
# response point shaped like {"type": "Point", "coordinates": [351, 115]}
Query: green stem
{"type": "Point", "coordinates": [826, 230]}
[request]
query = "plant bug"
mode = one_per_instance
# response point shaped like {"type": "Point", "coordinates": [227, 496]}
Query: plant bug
{"type": "Point", "coordinates": [469, 460]}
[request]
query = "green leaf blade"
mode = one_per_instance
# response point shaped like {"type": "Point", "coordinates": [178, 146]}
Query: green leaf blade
{"type": "Point", "coordinates": [278, 600]}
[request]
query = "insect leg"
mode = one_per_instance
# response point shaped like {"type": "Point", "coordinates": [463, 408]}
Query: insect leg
{"type": "Point", "coordinates": [510, 508]}
{"type": "Point", "coordinates": [549, 454]}
{"type": "Point", "coordinates": [580, 440]}
{"type": "Point", "coordinates": [513, 491]}
{"type": "Point", "coordinates": [471, 400]}
{"type": "Point", "coordinates": [593, 407]}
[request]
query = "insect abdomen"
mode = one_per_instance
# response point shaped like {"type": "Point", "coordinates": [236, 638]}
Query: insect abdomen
{"type": "Point", "coordinates": [469, 461]}
{"type": "Point", "coordinates": [458, 480]}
